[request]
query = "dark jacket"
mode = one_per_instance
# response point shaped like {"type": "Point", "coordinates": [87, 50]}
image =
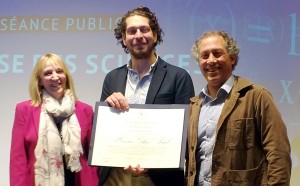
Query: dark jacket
{"type": "Point", "coordinates": [169, 85]}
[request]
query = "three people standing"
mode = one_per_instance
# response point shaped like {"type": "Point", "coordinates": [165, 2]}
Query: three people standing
{"type": "Point", "coordinates": [236, 135]}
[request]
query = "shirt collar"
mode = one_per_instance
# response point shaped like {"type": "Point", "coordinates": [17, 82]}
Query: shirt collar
{"type": "Point", "coordinates": [222, 92]}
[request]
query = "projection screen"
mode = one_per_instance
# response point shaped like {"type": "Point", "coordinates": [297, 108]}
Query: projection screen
{"type": "Point", "coordinates": [81, 31]}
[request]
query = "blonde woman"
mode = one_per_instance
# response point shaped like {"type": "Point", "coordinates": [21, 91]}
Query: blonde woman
{"type": "Point", "coordinates": [51, 131]}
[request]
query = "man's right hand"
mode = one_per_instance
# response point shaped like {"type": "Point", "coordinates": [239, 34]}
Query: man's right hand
{"type": "Point", "coordinates": [117, 101]}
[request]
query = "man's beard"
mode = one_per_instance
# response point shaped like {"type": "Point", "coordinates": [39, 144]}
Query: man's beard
{"type": "Point", "coordinates": [143, 54]}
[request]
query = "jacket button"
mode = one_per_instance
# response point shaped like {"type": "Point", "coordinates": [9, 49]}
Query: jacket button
{"type": "Point", "coordinates": [191, 173]}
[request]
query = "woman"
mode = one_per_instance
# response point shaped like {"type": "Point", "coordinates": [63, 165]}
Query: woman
{"type": "Point", "coordinates": [51, 132]}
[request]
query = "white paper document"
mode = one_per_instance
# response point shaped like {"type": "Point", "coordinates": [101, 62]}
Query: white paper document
{"type": "Point", "coordinates": [150, 137]}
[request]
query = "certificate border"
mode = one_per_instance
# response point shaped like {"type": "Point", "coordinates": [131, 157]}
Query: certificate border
{"type": "Point", "coordinates": [146, 106]}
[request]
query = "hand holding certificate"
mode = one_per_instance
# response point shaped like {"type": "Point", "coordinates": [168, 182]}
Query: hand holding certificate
{"type": "Point", "coordinates": [153, 136]}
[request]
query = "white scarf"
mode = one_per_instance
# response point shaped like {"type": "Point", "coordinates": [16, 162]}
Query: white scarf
{"type": "Point", "coordinates": [53, 144]}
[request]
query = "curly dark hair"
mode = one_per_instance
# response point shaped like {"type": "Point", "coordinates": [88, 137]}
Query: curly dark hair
{"type": "Point", "coordinates": [141, 11]}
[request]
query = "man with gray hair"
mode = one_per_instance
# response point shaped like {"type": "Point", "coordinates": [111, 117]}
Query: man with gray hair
{"type": "Point", "coordinates": [236, 135]}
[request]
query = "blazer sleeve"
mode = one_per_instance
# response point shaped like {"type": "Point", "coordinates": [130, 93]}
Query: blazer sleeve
{"type": "Point", "coordinates": [105, 88]}
{"type": "Point", "coordinates": [19, 173]}
{"type": "Point", "coordinates": [89, 118]}
{"type": "Point", "coordinates": [115, 81]}
{"type": "Point", "coordinates": [184, 88]}
{"type": "Point", "coordinates": [274, 140]}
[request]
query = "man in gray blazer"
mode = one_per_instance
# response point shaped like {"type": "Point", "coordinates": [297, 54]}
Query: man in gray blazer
{"type": "Point", "coordinates": [146, 79]}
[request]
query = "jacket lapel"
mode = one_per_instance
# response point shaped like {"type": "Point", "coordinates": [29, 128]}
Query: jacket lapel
{"type": "Point", "coordinates": [157, 79]}
{"type": "Point", "coordinates": [36, 118]}
{"type": "Point", "coordinates": [121, 85]}
{"type": "Point", "coordinates": [229, 104]}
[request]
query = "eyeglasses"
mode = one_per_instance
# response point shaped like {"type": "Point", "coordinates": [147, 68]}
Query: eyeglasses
{"type": "Point", "coordinates": [142, 29]}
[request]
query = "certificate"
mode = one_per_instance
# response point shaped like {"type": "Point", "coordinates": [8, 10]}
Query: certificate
{"type": "Point", "coordinates": [151, 135]}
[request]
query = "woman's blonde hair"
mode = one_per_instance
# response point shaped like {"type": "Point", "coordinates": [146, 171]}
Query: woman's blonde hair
{"type": "Point", "coordinates": [35, 90]}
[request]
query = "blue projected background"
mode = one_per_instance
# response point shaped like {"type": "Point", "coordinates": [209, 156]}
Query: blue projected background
{"type": "Point", "coordinates": [81, 31]}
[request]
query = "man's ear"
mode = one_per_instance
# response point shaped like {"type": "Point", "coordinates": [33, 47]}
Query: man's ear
{"type": "Point", "coordinates": [155, 37]}
{"type": "Point", "coordinates": [124, 38]}
{"type": "Point", "coordinates": [233, 61]}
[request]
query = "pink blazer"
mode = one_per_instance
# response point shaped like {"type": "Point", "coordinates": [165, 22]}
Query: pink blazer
{"type": "Point", "coordinates": [24, 139]}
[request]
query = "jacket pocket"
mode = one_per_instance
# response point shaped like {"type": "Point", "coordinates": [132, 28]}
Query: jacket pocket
{"type": "Point", "coordinates": [240, 134]}
{"type": "Point", "coordinates": [247, 177]}
{"type": "Point", "coordinates": [166, 98]}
